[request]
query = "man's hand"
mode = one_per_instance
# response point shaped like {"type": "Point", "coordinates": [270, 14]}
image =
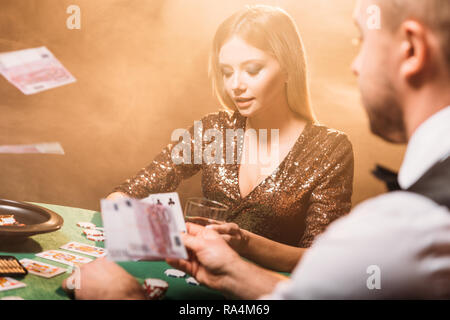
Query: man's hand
{"type": "Point", "coordinates": [211, 259]}
{"type": "Point", "coordinates": [103, 280]}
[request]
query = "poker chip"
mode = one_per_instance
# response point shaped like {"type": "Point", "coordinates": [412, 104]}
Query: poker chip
{"type": "Point", "coordinates": [86, 225]}
{"type": "Point", "coordinates": [174, 273]}
{"type": "Point", "coordinates": [96, 238]}
{"type": "Point", "coordinates": [155, 289]}
{"type": "Point", "coordinates": [192, 281]}
{"type": "Point", "coordinates": [93, 233]}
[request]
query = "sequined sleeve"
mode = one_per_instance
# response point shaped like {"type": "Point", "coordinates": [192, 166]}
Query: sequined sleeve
{"type": "Point", "coordinates": [331, 198]}
{"type": "Point", "coordinates": [162, 175]}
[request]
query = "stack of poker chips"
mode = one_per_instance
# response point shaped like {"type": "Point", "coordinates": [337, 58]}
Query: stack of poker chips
{"type": "Point", "coordinates": [11, 267]}
{"type": "Point", "coordinates": [92, 232]}
{"type": "Point", "coordinates": [155, 288]}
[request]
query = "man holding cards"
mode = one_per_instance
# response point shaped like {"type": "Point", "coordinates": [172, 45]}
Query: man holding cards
{"type": "Point", "coordinates": [404, 77]}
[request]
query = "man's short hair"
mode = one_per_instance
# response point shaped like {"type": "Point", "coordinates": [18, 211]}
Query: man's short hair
{"type": "Point", "coordinates": [433, 13]}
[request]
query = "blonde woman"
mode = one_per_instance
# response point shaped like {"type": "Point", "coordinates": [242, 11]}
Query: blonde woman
{"type": "Point", "coordinates": [277, 207]}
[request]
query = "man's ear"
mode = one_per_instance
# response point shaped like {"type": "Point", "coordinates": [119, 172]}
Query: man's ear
{"type": "Point", "coordinates": [414, 48]}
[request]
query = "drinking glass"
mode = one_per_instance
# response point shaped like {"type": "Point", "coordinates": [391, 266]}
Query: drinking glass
{"type": "Point", "coordinates": [203, 211]}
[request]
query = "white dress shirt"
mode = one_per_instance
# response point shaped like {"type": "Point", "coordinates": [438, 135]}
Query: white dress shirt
{"type": "Point", "coordinates": [396, 245]}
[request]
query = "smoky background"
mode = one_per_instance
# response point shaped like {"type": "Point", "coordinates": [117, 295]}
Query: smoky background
{"type": "Point", "coordinates": [141, 70]}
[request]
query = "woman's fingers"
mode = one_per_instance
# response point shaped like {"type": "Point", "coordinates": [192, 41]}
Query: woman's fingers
{"type": "Point", "coordinates": [212, 221]}
{"type": "Point", "coordinates": [227, 228]}
{"type": "Point", "coordinates": [227, 238]}
{"type": "Point", "coordinates": [193, 229]}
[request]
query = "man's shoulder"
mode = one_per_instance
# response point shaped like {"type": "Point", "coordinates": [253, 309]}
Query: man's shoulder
{"type": "Point", "coordinates": [398, 202]}
{"type": "Point", "coordinates": [403, 234]}
{"type": "Point", "coordinates": [394, 210]}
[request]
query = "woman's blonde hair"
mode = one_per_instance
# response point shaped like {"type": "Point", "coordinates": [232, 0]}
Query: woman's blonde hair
{"type": "Point", "coordinates": [272, 30]}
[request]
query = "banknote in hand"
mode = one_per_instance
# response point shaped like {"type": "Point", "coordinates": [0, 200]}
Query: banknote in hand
{"type": "Point", "coordinates": [137, 230]}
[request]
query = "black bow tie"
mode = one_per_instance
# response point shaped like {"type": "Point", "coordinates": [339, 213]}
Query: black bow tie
{"type": "Point", "coordinates": [387, 176]}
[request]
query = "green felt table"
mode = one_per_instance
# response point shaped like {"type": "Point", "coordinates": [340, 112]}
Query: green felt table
{"type": "Point", "coordinates": [39, 288]}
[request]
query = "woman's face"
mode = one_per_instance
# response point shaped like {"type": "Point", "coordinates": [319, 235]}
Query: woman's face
{"type": "Point", "coordinates": [252, 78]}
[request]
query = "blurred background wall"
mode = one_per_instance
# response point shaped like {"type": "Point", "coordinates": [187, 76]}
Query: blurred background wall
{"type": "Point", "coordinates": [141, 70]}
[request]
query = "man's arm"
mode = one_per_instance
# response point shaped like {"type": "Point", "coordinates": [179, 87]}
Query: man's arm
{"type": "Point", "coordinates": [395, 246]}
{"type": "Point", "coordinates": [248, 281]}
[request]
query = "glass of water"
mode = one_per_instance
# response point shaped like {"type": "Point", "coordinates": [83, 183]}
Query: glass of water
{"type": "Point", "coordinates": [203, 211]}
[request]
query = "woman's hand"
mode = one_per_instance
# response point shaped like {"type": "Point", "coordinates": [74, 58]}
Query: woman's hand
{"type": "Point", "coordinates": [236, 237]}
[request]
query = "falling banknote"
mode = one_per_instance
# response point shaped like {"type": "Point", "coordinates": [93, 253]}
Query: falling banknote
{"type": "Point", "coordinates": [34, 70]}
{"type": "Point", "coordinates": [51, 147]}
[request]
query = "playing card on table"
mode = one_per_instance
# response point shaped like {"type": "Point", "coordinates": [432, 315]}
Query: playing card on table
{"type": "Point", "coordinates": [172, 203]}
{"type": "Point", "coordinates": [41, 269]}
{"type": "Point", "coordinates": [140, 231]}
{"type": "Point", "coordinates": [85, 249]}
{"type": "Point", "coordinates": [63, 257]}
{"type": "Point", "coordinates": [86, 225]}
{"type": "Point", "coordinates": [93, 233]}
{"type": "Point", "coordinates": [34, 70]}
{"type": "Point", "coordinates": [7, 283]}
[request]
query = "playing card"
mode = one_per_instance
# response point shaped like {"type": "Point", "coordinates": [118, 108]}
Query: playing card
{"type": "Point", "coordinates": [87, 225]}
{"type": "Point", "coordinates": [85, 249]}
{"type": "Point", "coordinates": [172, 202]}
{"type": "Point", "coordinates": [7, 283]}
{"type": "Point", "coordinates": [93, 233]}
{"type": "Point", "coordinates": [63, 257]}
{"type": "Point", "coordinates": [41, 269]}
{"type": "Point", "coordinates": [140, 231]}
{"type": "Point", "coordinates": [34, 70]}
{"type": "Point", "coordinates": [96, 238]}
{"type": "Point", "coordinates": [48, 147]}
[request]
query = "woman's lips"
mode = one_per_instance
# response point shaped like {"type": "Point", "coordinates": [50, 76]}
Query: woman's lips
{"type": "Point", "coordinates": [244, 102]}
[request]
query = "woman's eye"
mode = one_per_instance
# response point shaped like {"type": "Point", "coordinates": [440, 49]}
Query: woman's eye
{"type": "Point", "coordinates": [253, 71]}
{"type": "Point", "coordinates": [227, 74]}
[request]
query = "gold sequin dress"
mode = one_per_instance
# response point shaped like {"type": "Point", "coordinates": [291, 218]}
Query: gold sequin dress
{"type": "Point", "coordinates": [311, 187]}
